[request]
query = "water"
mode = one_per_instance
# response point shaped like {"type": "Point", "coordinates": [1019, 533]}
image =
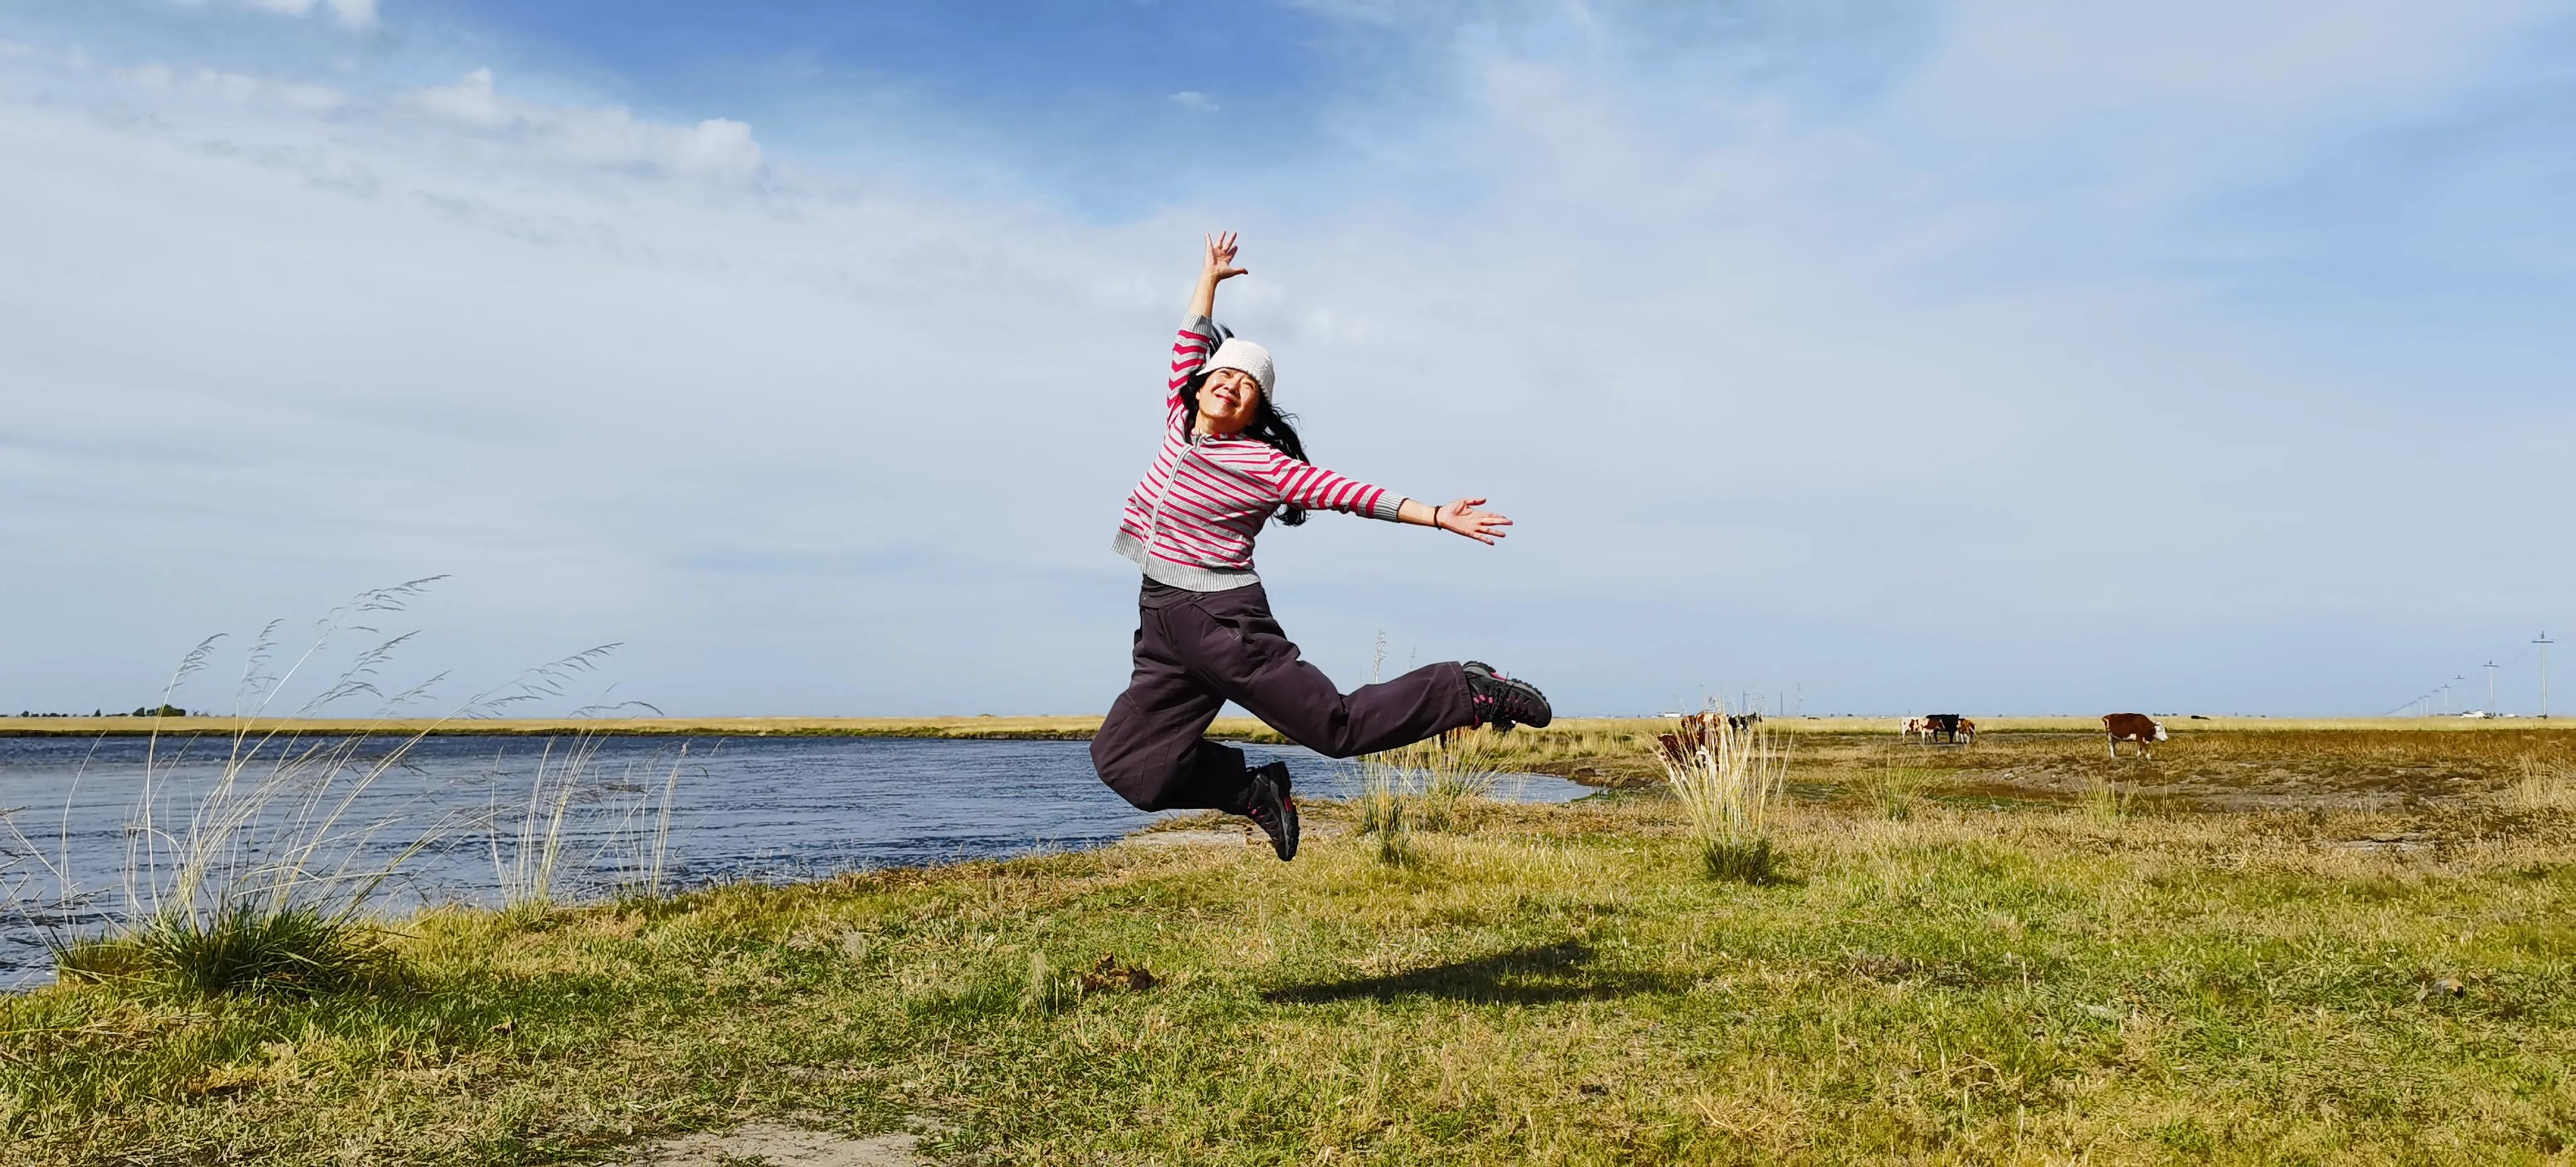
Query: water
{"type": "Point", "coordinates": [770, 809]}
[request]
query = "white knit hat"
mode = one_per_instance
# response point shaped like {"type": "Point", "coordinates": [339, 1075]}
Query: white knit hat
{"type": "Point", "coordinates": [1237, 353]}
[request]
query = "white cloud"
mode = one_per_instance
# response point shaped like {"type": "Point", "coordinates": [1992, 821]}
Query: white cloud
{"type": "Point", "coordinates": [353, 13]}
{"type": "Point", "coordinates": [2010, 64]}
{"type": "Point", "coordinates": [238, 88]}
{"type": "Point", "coordinates": [715, 149]}
{"type": "Point", "coordinates": [306, 97]}
{"type": "Point", "coordinates": [1191, 99]}
{"type": "Point", "coordinates": [152, 76]}
{"type": "Point", "coordinates": [471, 100]}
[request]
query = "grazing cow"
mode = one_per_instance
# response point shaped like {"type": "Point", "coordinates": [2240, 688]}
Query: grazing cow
{"type": "Point", "coordinates": [1701, 732]}
{"type": "Point", "coordinates": [1913, 725]}
{"type": "Point", "coordinates": [1932, 726]}
{"type": "Point", "coordinates": [2132, 727]}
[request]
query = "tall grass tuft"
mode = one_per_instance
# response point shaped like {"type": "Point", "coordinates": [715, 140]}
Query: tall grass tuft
{"type": "Point", "coordinates": [1431, 785]}
{"type": "Point", "coordinates": [2104, 802]}
{"type": "Point", "coordinates": [648, 854]}
{"type": "Point", "coordinates": [638, 845]}
{"type": "Point", "coordinates": [1731, 781]}
{"type": "Point", "coordinates": [1896, 790]}
{"type": "Point", "coordinates": [526, 876]}
{"type": "Point", "coordinates": [2543, 782]}
{"type": "Point", "coordinates": [241, 950]}
{"type": "Point", "coordinates": [260, 878]}
{"type": "Point", "coordinates": [1381, 813]}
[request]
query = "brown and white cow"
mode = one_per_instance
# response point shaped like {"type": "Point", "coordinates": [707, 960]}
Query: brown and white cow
{"type": "Point", "coordinates": [2132, 727]}
{"type": "Point", "coordinates": [1934, 725]}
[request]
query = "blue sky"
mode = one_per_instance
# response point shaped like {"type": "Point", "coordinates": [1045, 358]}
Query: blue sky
{"type": "Point", "coordinates": [1974, 355]}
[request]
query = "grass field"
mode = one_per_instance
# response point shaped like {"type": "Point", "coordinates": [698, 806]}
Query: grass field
{"type": "Point", "coordinates": [2301, 946]}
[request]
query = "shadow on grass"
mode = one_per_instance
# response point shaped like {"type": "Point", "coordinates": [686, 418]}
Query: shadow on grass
{"type": "Point", "coordinates": [1537, 974]}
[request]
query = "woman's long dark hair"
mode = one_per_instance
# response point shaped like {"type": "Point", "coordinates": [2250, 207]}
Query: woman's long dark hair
{"type": "Point", "coordinates": [1269, 427]}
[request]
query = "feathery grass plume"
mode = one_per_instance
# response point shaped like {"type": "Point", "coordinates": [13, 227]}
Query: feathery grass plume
{"type": "Point", "coordinates": [259, 879]}
{"type": "Point", "coordinates": [648, 854]}
{"type": "Point", "coordinates": [527, 877]}
{"type": "Point", "coordinates": [19, 857]}
{"type": "Point", "coordinates": [571, 774]}
{"type": "Point", "coordinates": [1730, 777]}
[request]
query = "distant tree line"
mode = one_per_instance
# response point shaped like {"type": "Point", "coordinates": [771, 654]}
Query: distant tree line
{"type": "Point", "coordinates": [162, 710]}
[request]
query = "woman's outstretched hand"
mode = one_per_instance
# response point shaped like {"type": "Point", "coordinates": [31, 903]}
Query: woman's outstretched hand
{"type": "Point", "coordinates": [1463, 517]}
{"type": "Point", "coordinates": [1220, 258]}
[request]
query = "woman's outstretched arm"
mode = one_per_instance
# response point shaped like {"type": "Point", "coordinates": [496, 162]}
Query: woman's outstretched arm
{"type": "Point", "coordinates": [1463, 517]}
{"type": "Point", "coordinates": [1220, 268]}
{"type": "Point", "coordinates": [1308, 485]}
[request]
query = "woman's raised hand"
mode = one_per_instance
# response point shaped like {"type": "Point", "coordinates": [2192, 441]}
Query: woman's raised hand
{"type": "Point", "coordinates": [1463, 517]}
{"type": "Point", "coordinates": [1220, 258]}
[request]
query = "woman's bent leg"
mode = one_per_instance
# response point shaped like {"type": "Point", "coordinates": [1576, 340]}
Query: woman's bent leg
{"type": "Point", "coordinates": [1240, 652]}
{"type": "Point", "coordinates": [1151, 750]}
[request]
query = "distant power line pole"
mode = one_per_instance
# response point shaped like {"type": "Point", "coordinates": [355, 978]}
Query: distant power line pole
{"type": "Point", "coordinates": [2490, 667]}
{"type": "Point", "coordinates": [2544, 642]}
{"type": "Point", "coordinates": [2463, 683]}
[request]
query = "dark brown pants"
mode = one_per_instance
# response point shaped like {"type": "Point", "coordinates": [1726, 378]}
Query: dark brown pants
{"type": "Point", "coordinates": [1195, 651]}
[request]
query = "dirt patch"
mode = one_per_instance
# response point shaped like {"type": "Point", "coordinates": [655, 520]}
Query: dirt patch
{"type": "Point", "coordinates": [774, 1144]}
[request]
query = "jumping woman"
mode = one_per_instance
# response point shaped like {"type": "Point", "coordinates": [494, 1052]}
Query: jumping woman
{"type": "Point", "coordinates": [1230, 461]}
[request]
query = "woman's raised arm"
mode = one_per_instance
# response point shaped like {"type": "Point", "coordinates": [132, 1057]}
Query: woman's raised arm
{"type": "Point", "coordinates": [1198, 333]}
{"type": "Point", "coordinates": [1220, 268]}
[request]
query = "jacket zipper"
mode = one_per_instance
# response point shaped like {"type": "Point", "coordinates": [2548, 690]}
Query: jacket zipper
{"type": "Point", "coordinates": [1154, 521]}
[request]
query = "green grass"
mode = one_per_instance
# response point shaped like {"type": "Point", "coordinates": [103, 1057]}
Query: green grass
{"type": "Point", "coordinates": [1536, 985]}
{"type": "Point", "coordinates": [248, 949]}
{"type": "Point", "coordinates": [1433, 785]}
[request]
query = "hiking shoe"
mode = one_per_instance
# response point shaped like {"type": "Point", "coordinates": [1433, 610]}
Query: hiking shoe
{"type": "Point", "coordinates": [1267, 804]}
{"type": "Point", "coordinates": [1502, 702]}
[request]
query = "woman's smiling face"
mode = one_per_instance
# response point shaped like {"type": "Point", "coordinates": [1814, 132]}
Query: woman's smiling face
{"type": "Point", "coordinates": [1228, 399]}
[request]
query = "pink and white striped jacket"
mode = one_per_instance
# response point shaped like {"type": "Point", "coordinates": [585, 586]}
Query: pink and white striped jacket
{"type": "Point", "coordinates": [1191, 522]}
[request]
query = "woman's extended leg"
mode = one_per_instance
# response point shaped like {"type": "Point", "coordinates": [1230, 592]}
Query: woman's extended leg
{"type": "Point", "coordinates": [1236, 649]}
{"type": "Point", "coordinates": [1151, 750]}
